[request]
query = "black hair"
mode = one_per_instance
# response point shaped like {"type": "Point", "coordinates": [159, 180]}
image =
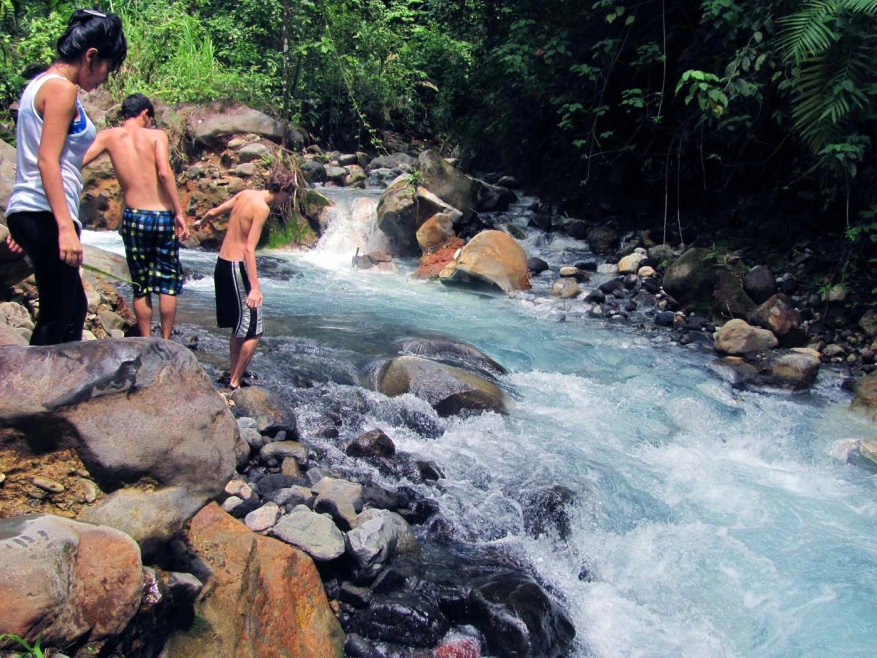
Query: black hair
{"type": "Point", "coordinates": [134, 104]}
{"type": "Point", "coordinates": [88, 28]}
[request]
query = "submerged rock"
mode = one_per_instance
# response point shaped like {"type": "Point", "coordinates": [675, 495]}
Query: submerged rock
{"type": "Point", "coordinates": [448, 389]}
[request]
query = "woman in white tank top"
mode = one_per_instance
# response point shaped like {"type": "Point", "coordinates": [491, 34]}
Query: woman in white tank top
{"type": "Point", "coordinates": [53, 133]}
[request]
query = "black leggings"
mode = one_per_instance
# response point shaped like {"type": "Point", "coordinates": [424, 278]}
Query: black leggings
{"type": "Point", "coordinates": [62, 299]}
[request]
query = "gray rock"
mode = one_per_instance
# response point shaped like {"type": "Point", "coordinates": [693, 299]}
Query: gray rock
{"type": "Point", "coordinates": [255, 152]}
{"type": "Point", "coordinates": [565, 288]}
{"type": "Point", "coordinates": [313, 533]}
{"type": "Point", "coordinates": [268, 409]}
{"type": "Point", "coordinates": [263, 518]}
{"type": "Point", "coordinates": [340, 498]}
{"type": "Point", "coordinates": [280, 450]}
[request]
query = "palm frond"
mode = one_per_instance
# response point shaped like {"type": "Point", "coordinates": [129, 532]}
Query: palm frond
{"type": "Point", "coordinates": [808, 32]}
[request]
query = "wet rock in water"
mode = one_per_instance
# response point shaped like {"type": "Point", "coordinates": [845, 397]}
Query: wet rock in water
{"type": "Point", "coordinates": [400, 618]}
{"type": "Point", "coordinates": [519, 618]}
{"type": "Point", "coordinates": [792, 370]}
{"type": "Point", "coordinates": [602, 240]}
{"type": "Point", "coordinates": [268, 409]}
{"type": "Point", "coordinates": [448, 389]}
{"type": "Point", "coordinates": [371, 444]}
{"type": "Point", "coordinates": [490, 258]}
{"type": "Point", "coordinates": [339, 498]}
{"type": "Point", "coordinates": [565, 288]}
{"type": "Point", "coordinates": [453, 352]}
{"type": "Point", "coordinates": [547, 509]}
{"type": "Point", "coordinates": [865, 397]}
{"type": "Point", "coordinates": [536, 265]}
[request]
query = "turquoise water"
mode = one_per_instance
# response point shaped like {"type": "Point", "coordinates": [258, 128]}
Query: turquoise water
{"type": "Point", "coordinates": [712, 522]}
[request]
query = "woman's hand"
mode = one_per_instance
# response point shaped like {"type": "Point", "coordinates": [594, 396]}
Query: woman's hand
{"type": "Point", "coordinates": [14, 247]}
{"type": "Point", "coordinates": [70, 247]}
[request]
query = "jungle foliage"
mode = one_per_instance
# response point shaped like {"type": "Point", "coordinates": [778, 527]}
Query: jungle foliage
{"type": "Point", "coordinates": [685, 106]}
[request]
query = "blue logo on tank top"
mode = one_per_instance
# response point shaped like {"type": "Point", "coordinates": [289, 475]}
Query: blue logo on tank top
{"type": "Point", "coordinates": [80, 123]}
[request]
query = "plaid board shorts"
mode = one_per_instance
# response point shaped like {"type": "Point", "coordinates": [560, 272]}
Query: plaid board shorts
{"type": "Point", "coordinates": [153, 252]}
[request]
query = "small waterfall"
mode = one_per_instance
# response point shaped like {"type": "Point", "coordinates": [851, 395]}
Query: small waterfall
{"type": "Point", "coordinates": [353, 225]}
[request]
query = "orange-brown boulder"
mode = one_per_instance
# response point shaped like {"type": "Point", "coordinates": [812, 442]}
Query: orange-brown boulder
{"type": "Point", "coordinates": [264, 598]}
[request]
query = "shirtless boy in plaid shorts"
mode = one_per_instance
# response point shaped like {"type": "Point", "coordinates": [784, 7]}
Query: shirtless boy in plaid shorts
{"type": "Point", "coordinates": [152, 224]}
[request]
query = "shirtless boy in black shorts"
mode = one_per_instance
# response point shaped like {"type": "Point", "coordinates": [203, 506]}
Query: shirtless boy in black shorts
{"type": "Point", "coordinates": [238, 296]}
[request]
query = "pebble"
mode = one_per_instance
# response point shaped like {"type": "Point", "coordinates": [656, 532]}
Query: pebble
{"type": "Point", "coordinates": [2, 478]}
{"type": "Point", "coordinates": [47, 485]}
{"type": "Point", "coordinates": [89, 491]}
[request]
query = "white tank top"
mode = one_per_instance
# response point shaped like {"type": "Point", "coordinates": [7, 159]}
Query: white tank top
{"type": "Point", "coordinates": [28, 194]}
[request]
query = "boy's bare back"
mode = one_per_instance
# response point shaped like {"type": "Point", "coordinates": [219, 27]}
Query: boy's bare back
{"type": "Point", "coordinates": [248, 208]}
{"type": "Point", "coordinates": [137, 156]}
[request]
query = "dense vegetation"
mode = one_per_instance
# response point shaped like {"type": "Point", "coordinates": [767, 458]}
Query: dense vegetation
{"type": "Point", "coordinates": [730, 110]}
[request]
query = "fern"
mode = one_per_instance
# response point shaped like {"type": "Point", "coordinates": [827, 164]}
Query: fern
{"type": "Point", "coordinates": [830, 42]}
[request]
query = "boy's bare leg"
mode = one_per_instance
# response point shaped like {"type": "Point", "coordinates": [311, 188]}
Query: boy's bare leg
{"type": "Point", "coordinates": [242, 351]}
{"type": "Point", "coordinates": [143, 313]}
{"type": "Point", "coordinates": [167, 310]}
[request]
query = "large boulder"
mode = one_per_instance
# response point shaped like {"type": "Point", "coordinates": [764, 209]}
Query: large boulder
{"type": "Point", "coordinates": [224, 118]}
{"type": "Point", "coordinates": [448, 183]}
{"type": "Point", "coordinates": [140, 415]}
{"type": "Point", "coordinates": [519, 618]}
{"type": "Point", "coordinates": [493, 258]}
{"type": "Point", "coordinates": [492, 198]}
{"type": "Point", "coordinates": [691, 279]}
{"type": "Point", "coordinates": [448, 389]}
{"type": "Point", "coordinates": [404, 207]}
{"type": "Point", "coordinates": [264, 597]}
{"type": "Point", "coordinates": [62, 581]}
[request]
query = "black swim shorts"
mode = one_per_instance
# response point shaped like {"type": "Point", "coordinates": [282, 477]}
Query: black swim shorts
{"type": "Point", "coordinates": [232, 287]}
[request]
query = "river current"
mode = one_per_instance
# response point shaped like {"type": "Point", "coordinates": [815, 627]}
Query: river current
{"type": "Point", "coordinates": [710, 522]}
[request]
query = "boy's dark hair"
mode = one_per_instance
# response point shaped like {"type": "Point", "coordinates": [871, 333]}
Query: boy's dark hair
{"type": "Point", "coordinates": [281, 180]}
{"type": "Point", "coordinates": [134, 104]}
{"type": "Point", "coordinates": [88, 28]}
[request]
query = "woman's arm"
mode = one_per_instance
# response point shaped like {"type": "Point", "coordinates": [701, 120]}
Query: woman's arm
{"type": "Point", "coordinates": [57, 100]}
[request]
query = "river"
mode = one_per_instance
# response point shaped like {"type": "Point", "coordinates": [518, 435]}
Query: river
{"type": "Point", "coordinates": [710, 522]}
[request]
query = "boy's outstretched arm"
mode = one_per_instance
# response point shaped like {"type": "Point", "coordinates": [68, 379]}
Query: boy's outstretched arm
{"type": "Point", "coordinates": [218, 211]}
